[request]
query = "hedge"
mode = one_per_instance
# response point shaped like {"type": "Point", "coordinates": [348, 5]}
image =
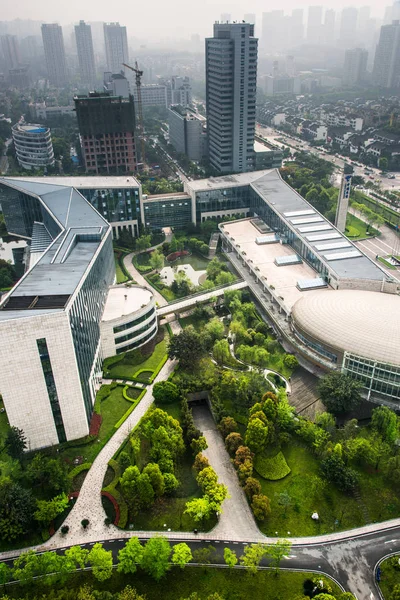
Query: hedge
{"type": "Point", "coordinates": [112, 491]}
{"type": "Point", "coordinates": [272, 468]}
{"type": "Point", "coordinates": [131, 409]}
{"type": "Point", "coordinates": [78, 469]}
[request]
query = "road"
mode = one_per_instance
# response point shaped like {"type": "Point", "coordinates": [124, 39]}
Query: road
{"type": "Point", "coordinates": [273, 134]}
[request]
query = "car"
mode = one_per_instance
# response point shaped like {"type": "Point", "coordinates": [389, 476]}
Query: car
{"type": "Point", "coordinates": [371, 177]}
{"type": "Point", "coordinates": [391, 176]}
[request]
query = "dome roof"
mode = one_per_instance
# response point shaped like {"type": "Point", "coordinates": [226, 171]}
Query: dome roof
{"type": "Point", "coordinates": [364, 323]}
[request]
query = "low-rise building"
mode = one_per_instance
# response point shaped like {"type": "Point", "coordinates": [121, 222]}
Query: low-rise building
{"type": "Point", "coordinates": [33, 146]}
{"type": "Point", "coordinates": [267, 156]}
{"type": "Point", "coordinates": [187, 132]}
{"type": "Point", "coordinates": [152, 94]}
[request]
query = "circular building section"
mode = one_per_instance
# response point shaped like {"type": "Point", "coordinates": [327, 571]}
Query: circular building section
{"type": "Point", "coordinates": [355, 331]}
{"type": "Point", "coordinates": [33, 145]}
{"type": "Point", "coordinates": [129, 319]}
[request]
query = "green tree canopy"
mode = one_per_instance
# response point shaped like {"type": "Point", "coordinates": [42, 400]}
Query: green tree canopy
{"type": "Point", "coordinates": [156, 557]}
{"type": "Point", "coordinates": [339, 392]}
{"type": "Point", "coordinates": [181, 555]}
{"type": "Point", "coordinates": [130, 556]}
{"type": "Point", "coordinates": [101, 562]}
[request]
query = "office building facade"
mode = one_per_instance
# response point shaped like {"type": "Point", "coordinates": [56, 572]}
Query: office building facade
{"type": "Point", "coordinates": [84, 46]}
{"type": "Point", "coordinates": [314, 24]}
{"type": "Point", "coordinates": [116, 43]}
{"type": "Point", "coordinates": [386, 72]}
{"type": "Point", "coordinates": [107, 133]}
{"type": "Point", "coordinates": [355, 67]}
{"type": "Point", "coordinates": [231, 84]}
{"type": "Point", "coordinates": [187, 132]}
{"type": "Point", "coordinates": [54, 52]}
{"type": "Point", "coordinates": [33, 146]}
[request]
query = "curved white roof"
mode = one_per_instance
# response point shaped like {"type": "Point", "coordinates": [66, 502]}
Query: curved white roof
{"type": "Point", "coordinates": [364, 323]}
{"type": "Point", "coordinates": [124, 301]}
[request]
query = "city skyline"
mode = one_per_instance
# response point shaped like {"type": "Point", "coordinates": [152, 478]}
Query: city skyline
{"type": "Point", "coordinates": [180, 18]}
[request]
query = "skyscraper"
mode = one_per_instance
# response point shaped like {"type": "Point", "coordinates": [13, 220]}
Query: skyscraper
{"type": "Point", "coordinates": [348, 26]}
{"type": "Point", "coordinates": [314, 23]}
{"type": "Point", "coordinates": [231, 83]}
{"type": "Point", "coordinates": [329, 27]}
{"type": "Point", "coordinates": [386, 70]}
{"type": "Point", "coordinates": [296, 28]}
{"type": "Point", "coordinates": [355, 66]}
{"type": "Point", "coordinates": [273, 25]}
{"type": "Point", "coordinates": [116, 43]}
{"type": "Point", "coordinates": [10, 46]}
{"type": "Point", "coordinates": [54, 53]}
{"type": "Point", "coordinates": [84, 45]}
{"type": "Point", "coordinates": [250, 18]}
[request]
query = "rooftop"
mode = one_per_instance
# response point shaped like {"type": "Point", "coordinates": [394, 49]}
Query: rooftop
{"type": "Point", "coordinates": [123, 301]}
{"type": "Point", "coordinates": [364, 323]}
{"type": "Point", "coordinates": [226, 181]}
{"type": "Point", "coordinates": [85, 182]}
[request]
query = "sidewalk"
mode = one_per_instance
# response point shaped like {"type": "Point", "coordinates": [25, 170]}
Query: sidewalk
{"type": "Point", "coordinates": [140, 280]}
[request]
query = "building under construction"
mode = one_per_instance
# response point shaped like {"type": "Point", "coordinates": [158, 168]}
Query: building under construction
{"type": "Point", "coordinates": [107, 133]}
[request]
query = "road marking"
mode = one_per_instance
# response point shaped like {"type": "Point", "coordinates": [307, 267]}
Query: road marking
{"type": "Point", "coordinates": [226, 542]}
{"type": "Point", "coordinates": [236, 543]}
{"type": "Point", "coordinates": [111, 541]}
{"type": "Point", "coordinates": [391, 541]}
{"type": "Point", "coordinates": [208, 541]}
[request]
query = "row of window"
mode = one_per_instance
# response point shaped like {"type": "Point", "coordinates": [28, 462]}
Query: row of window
{"type": "Point", "coordinates": [134, 334]}
{"type": "Point", "coordinates": [131, 324]}
{"type": "Point", "coordinates": [134, 345]}
{"type": "Point", "coordinates": [318, 348]}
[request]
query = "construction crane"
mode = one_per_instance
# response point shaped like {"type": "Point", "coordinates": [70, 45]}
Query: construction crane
{"type": "Point", "coordinates": [138, 81]}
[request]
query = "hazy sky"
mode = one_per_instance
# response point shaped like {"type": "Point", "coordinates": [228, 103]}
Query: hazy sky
{"type": "Point", "coordinates": [161, 18]}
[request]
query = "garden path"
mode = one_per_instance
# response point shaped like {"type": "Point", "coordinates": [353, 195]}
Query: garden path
{"type": "Point", "coordinates": [140, 280]}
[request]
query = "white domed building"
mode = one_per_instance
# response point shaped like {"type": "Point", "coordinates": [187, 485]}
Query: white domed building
{"type": "Point", "coordinates": [355, 331]}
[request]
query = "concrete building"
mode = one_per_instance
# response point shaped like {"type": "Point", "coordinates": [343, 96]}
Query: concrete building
{"type": "Point", "coordinates": [116, 84]}
{"type": "Point", "coordinates": [231, 83]}
{"type": "Point", "coordinates": [33, 146]}
{"type": "Point", "coordinates": [41, 111]}
{"type": "Point", "coordinates": [281, 84]}
{"type": "Point", "coordinates": [62, 318]}
{"type": "Point", "coordinates": [267, 156]}
{"type": "Point", "coordinates": [273, 31]}
{"type": "Point", "coordinates": [348, 26]}
{"type": "Point", "coordinates": [187, 132]}
{"type": "Point", "coordinates": [153, 94]}
{"type": "Point", "coordinates": [11, 53]}
{"type": "Point", "coordinates": [329, 27]}
{"type": "Point", "coordinates": [54, 52]}
{"type": "Point", "coordinates": [386, 72]}
{"type": "Point", "coordinates": [20, 77]}
{"type": "Point", "coordinates": [107, 133]}
{"type": "Point", "coordinates": [84, 46]}
{"type": "Point", "coordinates": [116, 43]}
{"type": "Point", "coordinates": [296, 30]}
{"type": "Point", "coordinates": [343, 203]}
{"type": "Point", "coordinates": [355, 67]}
{"type": "Point", "coordinates": [180, 91]}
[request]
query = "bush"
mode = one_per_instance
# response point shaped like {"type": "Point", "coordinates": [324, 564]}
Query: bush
{"type": "Point", "coordinates": [335, 470]}
{"type": "Point", "coordinates": [272, 468]}
{"type": "Point", "coordinates": [290, 361]}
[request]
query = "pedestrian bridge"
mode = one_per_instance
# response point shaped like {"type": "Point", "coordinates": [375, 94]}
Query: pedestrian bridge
{"type": "Point", "coordinates": [190, 301]}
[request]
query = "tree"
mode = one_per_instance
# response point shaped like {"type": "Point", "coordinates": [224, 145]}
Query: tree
{"type": "Point", "coordinates": [156, 260]}
{"type": "Point", "coordinates": [76, 557]}
{"type": "Point", "coordinates": [226, 426]}
{"type": "Point", "coordinates": [48, 474]}
{"type": "Point", "coordinates": [252, 487]}
{"type": "Point", "coordinates": [128, 483]}
{"type": "Point", "coordinates": [200, 462]}
{"type": "Point", "coordinates": [199, 509]}
{"type": "Point", "coordinates": [230, 557]}
{"type": "Point", "coordinates": [339, 393]}
{"type": "Point", "coordinates": [181, 555]}
{"type": "Point", "coordinates": [261, 507]}
{"type": "Point", "coordinates": [199, 444]}
{"type": "Point", "coordinates": [130, 556]}
{"type": "Point", "coordinates": [277, 551]}
{"type": "Point", "coordinates": [156, 478]}
{"type": "Point", "coordinates": [101, 561]}
{"type": "Point", "coordinates": [395, 595]}
{"type": "Point", "coordinates": [232, 442]}
{"type": "Point", "coordinates": [166, 392]}
{"type": "Point", "coordinates": [256, 434]}
{"type": "Point", "coordinates": [383, 163]}
{"type": "Point", "coordinates": [15, 443]}
{"type": "Point", "coordinates": [252, 556]}
{"type": "Point", "coordinates": [124, 461]}
{"type": "Point", "coordinates": [171, 483]}
{"type": "Point", "coordinates": [85, 523]}
{"type": "Point", "coordinates": [17, 506]}
{"type": "Point", "coordinates": [335, 470]}
{"type": "Point", "coordinates": [129, 593]}
{"type": "Point", "coordinates": [215, 329]}
{"type": "Point", "coordinates": [5, 573]}
{"type": "Point", "coordinates": [204, 555]}
{"type": "Point", "coordinates": [143, 242]}
{"type": "Point", "coordinates": [156, 556]}
{"type": "Point", "coordinates": [187, 347]}
{"type": "Point", "coordinates": [221, 352]}
{"type": "Point", "coordinates": [48, 510]}
{"type": "Point", "coordinates": [145, 491]}
{"type": "Point", "coordinates": [385, 421]}
{"type": "Point", "coordinates": [290, 361]}
{"type": "Point", "coordinates": [284, 500]}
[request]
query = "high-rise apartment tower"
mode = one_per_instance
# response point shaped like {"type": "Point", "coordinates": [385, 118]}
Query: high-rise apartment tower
{"type": "Point", "coordinates": [10, 46]}
{"type": "Point", "coordinates": [386, 71]}
{"type": "Point", "coordinates": [84, 45]}
{"type": "Point", "coordinates": [116, 43]}
{"type": "Point", "coordinates": [54, 53]}
{"type": "Point", "coordinates": [355, 66]}
{"type": "Point", "coordinates": [231, 83]}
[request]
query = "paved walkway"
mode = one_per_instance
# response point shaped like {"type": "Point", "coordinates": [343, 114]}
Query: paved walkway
{"type": "Point", "coordinates": [236, 519]}
{"type": "Point", "coordinates": [140, 280]}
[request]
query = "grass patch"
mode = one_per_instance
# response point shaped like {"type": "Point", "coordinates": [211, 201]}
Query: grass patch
{"type": "Point", "coordinates": [142, 262]}
{"type": "Point", "coordinates": [357, 229]}
{"type": "Point", "coordinates": [387, 264]}
{"type": "Point", "coordinates": [390, 576]}
{"type": "Point", "coordinates": [271, 467]}
{"type": "Point", "coordinates": [232, 585]}
{"type": "Point", "coordinates": [155, 281]}
{"type": "Point", "coordinates": [127, 366]}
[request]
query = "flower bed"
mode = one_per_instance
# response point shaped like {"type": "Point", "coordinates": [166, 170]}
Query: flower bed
{"type": "Point", "coordinates": [95, 424]}
{"type": "Point", "coordinates": [115, 505]}
{"type": "Point", "coordinates": [176, 255]}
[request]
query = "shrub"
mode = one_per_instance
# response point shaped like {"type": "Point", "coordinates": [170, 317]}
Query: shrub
{"type": "Point", "coordinates": [64, 529]}
{"type": "Point", "coordinates": [261, 507]}
{"type": "Point", "coordinates": [85, 523]}
{"type": "Point", "coordinates": [290, 361]}
{"type": "Point", "coordinates": [272, 468]}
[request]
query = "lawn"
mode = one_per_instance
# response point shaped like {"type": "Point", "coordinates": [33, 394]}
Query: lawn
{"type": "Point", "coordinates": [231, 585]}
{"type": "Point", "coordinates": [357, 229]}
{"type": "Point", "coordinates": [134, 362]}
{"type": "Point", "coordinates": [387, 264]}
{"type": "Point", "coordinates": [155, 281]}
{"type": "Point", "coordinates": [390, 576]}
